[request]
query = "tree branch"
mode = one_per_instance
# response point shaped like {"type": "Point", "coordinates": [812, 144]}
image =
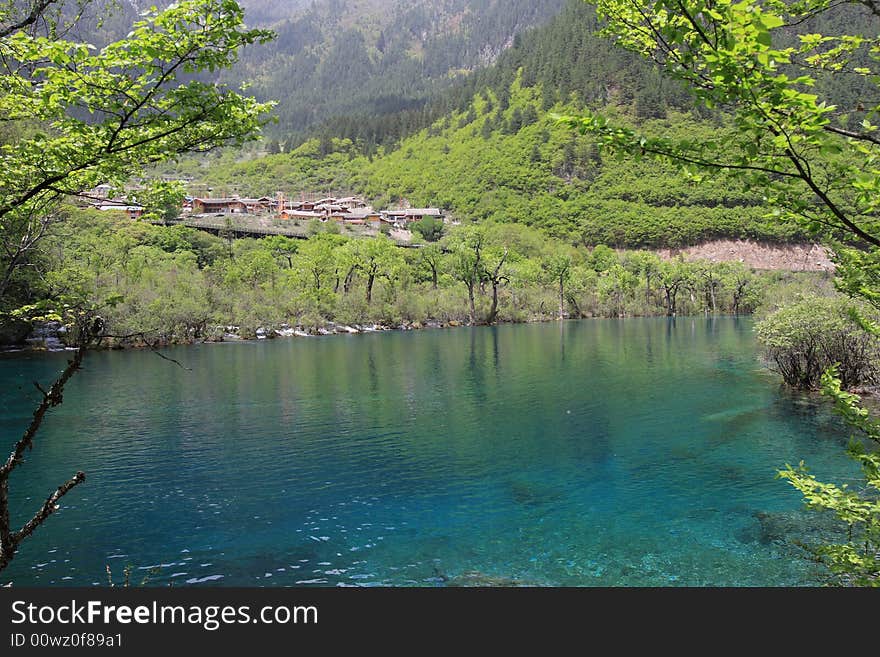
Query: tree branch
{"type": "Point", "coordinates": [826, 200]}
{"type": "Point", "coordinates": [51, 398]}
{"type": "Point", "coordinates": [49, 507]}
{"type": "Point", "coordinates": [152, 346]}
{"type": "Point", "coordinates": [10, 540]}
{"type": "Point", "coordinates": [32, 17]}
{"type": "Point", "coordinates": [861, 136]}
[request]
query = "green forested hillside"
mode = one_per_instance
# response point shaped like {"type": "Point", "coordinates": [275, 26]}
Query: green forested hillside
{"type": "Point", "coordinates": [488, 146]}
{"type": "Point", "coordinates": [508, 160]}
{"type": "Point", "coordinates": [339, 62]}
{"type": "Point", "coordinates": [497, 152]}
{"type": "Point", "coordinates": [517, 165]}
{"type": "Point", "coordinates": [540, 175]}
{"type": "Point", "coordinates": [566, 57]}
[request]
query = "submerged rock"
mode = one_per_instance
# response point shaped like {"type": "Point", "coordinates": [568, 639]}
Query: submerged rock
{"type": "Point", "coordinates": [532, 493]}
{"type": "Point", "coordinates": [476, 578]}
{"type": "Point", "coordinates": [793, 528]}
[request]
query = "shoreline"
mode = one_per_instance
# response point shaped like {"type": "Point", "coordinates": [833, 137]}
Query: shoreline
{"type": "Point", "coordinates": [328, 330]}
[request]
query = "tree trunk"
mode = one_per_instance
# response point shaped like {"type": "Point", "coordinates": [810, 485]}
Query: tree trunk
{"type": "Point", "coordinates": [349, 277]}
{"type": "Point", "coordinates": [493, 311]}
{"type": "Point", "coordinates": [370, 279]}
{"type": "Point", "coordinates": [738, 294]}
{"type": "Point", "coordinates": [434, 276]}
{"type": "Point", "coordinates": [473, 309]}
{"type": "Point", "coordinates": [561, 299]}
{"type": "Point", "coordinates": [671, 293]}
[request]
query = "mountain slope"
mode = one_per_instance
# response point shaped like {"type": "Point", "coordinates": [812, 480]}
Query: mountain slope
{"type": "Point", "coordinates": [373, 57]}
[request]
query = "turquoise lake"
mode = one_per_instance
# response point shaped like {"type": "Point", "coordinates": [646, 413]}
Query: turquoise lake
{"type": "Point", "coordinates": [599, 452]}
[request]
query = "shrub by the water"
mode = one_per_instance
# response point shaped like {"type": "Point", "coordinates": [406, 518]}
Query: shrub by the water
{"type": "Point", "coordinates": [804, 338]}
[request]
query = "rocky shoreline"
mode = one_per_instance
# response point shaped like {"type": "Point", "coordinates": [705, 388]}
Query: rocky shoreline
{"type": "Point", "coordinates": [49, 336]}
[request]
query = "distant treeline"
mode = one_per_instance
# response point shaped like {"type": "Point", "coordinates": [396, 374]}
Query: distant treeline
{"type": "Point", "coordinates": [175, 284]}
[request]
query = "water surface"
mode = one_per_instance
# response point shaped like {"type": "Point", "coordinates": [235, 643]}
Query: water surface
{"type": "Point", "coordinates": [601, 452]}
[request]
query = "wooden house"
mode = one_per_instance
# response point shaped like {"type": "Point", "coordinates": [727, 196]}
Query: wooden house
{"type": "Point", "coordinates": [407, 216]}
{"type": "Point", "coordinates": [133, 211]}
{"type": "Point", "coordinates": [365, 217]}
{"type": "Point", "coordinates": [289, 213]}
{"type": "Point", "coordinates": [218, 205]}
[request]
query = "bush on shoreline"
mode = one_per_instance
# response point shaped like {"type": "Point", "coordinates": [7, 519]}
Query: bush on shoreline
{"type": "Point", "coordinates": [805, 337]}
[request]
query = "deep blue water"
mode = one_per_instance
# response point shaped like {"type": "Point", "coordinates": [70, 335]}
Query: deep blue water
{"type": "Point", "coordinates": [601, 452]}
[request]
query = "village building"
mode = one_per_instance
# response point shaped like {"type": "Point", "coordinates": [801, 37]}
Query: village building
{"type": "Point", "coordinates": [101, 191]}
{"type": "Point", "coordinates": [348, 210]}
{"type": "Point", "coordinates": [233, 205]}
{"type": "Point", "coordinates": [133, 211]}
{"type": "Point", "coordinates": [217, 205]}
{"type": "Point", "coordinates": [352, 202]}
{"type": "Point", "coordinates": [365, 216]}
{"type": "Point", "coordinates": [402, 218]}
{"type": "Point", "coordinates": [306, 206]}
{"type": "Point", "coordinates": [344, 210]}
{"type": "Point", "coordinates": [299, 214]}
{"type": "Point", "coordinates": [331, 208]}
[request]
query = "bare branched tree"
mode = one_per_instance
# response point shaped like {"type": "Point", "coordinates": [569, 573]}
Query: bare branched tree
{"type": "Point", "coordinates": [88, 331]}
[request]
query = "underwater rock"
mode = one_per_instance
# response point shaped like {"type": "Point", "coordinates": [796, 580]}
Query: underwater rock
{"type": "Point", "coordinates": [532, 493]}
{"type": "Point", "coordinates": [473, 578]}
{"type": "Point", "coordinates": [794, 528]}
{"type": "Point", "coordinates": [734, 413]}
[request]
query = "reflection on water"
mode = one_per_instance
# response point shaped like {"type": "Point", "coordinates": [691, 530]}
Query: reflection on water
{"type": "Point", "coordinates": [606, 452]}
